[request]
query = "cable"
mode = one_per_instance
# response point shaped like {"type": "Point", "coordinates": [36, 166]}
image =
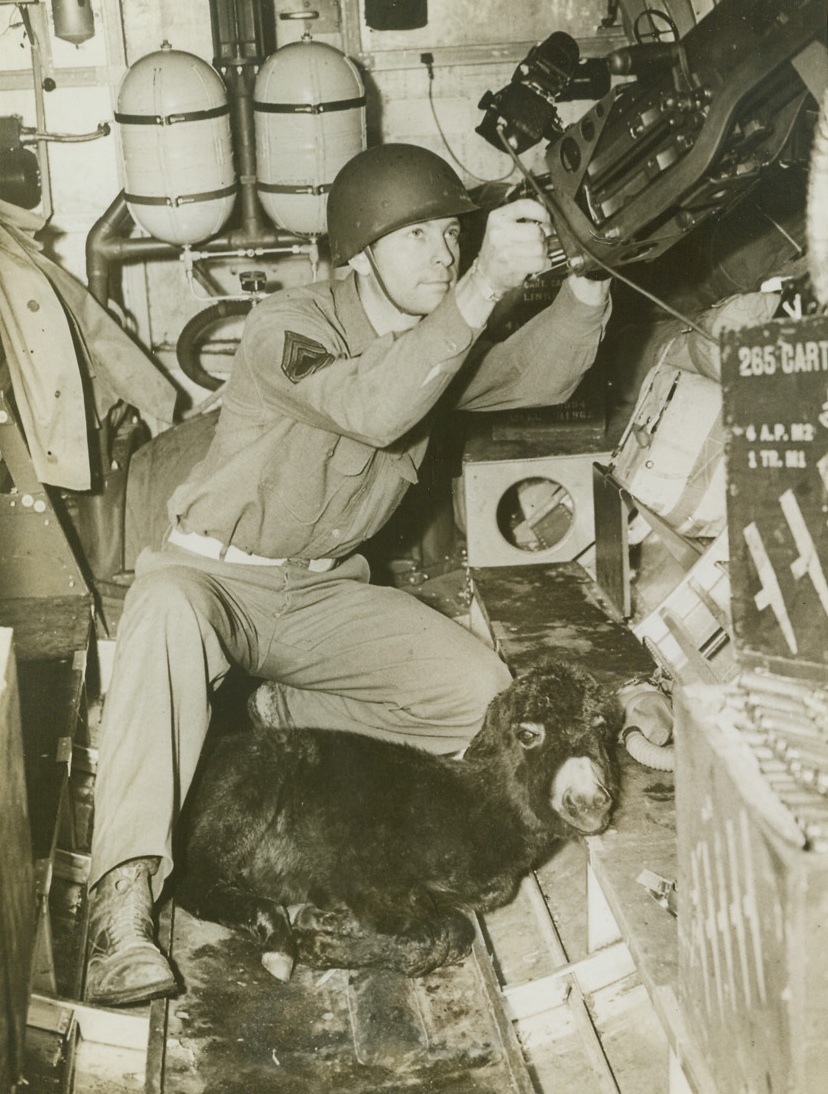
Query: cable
{"type": "Point", "coordinates": [796, 246]}
{"type": "Point", "coordinates": [430, 69]}
{"type": "Point", "coordinates": [10, 25]}
{"type": "Point", "coordinates": [557, 213]}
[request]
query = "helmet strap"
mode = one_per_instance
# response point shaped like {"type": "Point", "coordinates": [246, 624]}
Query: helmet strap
{"type": "Point", "coordinates": [369, 253]}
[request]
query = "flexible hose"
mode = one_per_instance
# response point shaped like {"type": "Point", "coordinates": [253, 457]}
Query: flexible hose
{"type": "Point", "coordinates": [817, 206]}
{"type": "Point", "coordinates": [659, 757]}
{"type": "Point", "coordinates": [191, 337]}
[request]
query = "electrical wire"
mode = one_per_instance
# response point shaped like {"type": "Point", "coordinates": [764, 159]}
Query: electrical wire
{"type": "Point", "coordinates": [10, 25]}
{"type": "Point", "coordinates": [557, 213]}
{"type": "Point", "coordinates": [444, 138]}
{"type": "Point", "coordinates": [796, 246]}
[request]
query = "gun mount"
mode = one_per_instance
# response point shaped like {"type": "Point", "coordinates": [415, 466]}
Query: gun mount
{"type": "Point", "coordinates": [687, 136]}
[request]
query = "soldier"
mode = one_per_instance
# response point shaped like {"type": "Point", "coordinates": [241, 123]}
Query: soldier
{"type": "Point", "coordinates": [324, 423]}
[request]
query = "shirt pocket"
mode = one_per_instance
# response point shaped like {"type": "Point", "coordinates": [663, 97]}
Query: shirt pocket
{"type": "Point", "coordinates": [323, 475]}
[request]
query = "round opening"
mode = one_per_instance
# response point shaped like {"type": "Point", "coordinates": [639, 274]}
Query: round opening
{"type": "Point", "coordinates": [535, 514]}
{"type": "Point", "coordinates": [570, 154]}
{"type": "Point", "coordinates": [588, 129]}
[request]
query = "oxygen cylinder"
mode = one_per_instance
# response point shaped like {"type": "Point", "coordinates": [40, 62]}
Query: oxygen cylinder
{"type": "Point", "coordinates": [73, 19]}
{"type": "Point", "coordinates": [309, 107]}
{"type": "Point", "coordinates": [177, 148]}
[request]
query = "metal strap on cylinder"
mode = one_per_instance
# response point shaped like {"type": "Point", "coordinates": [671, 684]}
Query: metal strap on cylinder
{"type": "Point", "coordinates": [279, 188]}
{"type": "Point", "coordinates": [186, 199]}
{"type": "Point", "coordinates": [309, 108]}
{"type": "Point", "coordinates": [173, 119]}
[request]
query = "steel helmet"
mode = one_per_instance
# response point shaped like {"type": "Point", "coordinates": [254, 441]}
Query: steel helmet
{"type": "Point", "coordinates": [388, 187]}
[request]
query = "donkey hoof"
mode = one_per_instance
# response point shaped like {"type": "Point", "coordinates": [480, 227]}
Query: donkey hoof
{"type": "Point", "coordinates": [278, 964]}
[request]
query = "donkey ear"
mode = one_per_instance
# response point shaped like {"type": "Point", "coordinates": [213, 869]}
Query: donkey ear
{"type": "Point", "coordinates": [498, 708]}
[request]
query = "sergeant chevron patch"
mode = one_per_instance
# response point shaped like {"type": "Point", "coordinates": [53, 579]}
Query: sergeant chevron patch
{"type": "Point", "coordinates": [303, 356]}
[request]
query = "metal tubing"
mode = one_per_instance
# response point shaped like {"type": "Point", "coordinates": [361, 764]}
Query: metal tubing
{"type": "Point", "coordinates": [239, 48]}
{"type": "Point", "coordinates": [240, 84]}
{"type": "Point", "coordinates": [108, 242]}
{"type": "Point", "coordinates": [240, 32]}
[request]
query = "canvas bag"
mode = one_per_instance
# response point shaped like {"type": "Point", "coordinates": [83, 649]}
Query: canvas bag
{"type": "Point", "coordinates": [671, 455]}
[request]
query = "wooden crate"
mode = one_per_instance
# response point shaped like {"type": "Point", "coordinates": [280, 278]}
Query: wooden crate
{"type": "Point", "coordinates": [753, 908]}
{"type": "Point", "coordinates": [775, 390]}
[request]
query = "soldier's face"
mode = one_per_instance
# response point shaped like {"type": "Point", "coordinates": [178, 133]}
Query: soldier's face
{"type": "Point", "coordinates": [418, 263]}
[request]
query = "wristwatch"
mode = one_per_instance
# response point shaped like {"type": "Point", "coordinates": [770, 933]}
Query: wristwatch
{"type": "Point", "coordinates": [483, 286]}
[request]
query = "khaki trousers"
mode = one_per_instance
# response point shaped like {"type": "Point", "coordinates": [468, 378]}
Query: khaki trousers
{"type": "Point", "coordinates": [349, 655]}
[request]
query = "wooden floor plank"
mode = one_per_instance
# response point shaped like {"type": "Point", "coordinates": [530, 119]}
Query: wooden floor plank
{"type": "Point", "coordinates": [236, 1029]}
{"type": "Point", "coordinates": [538, 610]}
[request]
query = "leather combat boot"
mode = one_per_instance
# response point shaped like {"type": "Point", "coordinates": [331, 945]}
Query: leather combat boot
{"type": "Point", "coordinates": [125, 965]}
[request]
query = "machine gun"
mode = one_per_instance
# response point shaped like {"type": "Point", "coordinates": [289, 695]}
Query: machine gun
{"type": "Point", "coordinates": [684, 139]}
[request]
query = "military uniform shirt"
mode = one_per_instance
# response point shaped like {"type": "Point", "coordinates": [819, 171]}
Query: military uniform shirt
{"type": "Point", "coordinates": [324, 424]}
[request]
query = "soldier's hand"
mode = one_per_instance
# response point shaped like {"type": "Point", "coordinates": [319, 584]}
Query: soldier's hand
{"type": "Point", "coordinates": [514, 245]}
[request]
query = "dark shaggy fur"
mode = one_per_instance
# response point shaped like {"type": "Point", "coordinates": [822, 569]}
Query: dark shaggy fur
{"type": "Point", "coordinates": [387, 843]}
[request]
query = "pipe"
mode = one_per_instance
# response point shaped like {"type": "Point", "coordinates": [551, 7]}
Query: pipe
{"type": "Point", "coordinates": [36, 34]}
{"type": "Point", "coordinates": [191, 337]}
{"type": "Point", "coordinates": [240, 84]}
{"type": "Point", "coordinates": [108, 242]}
{"type": "Point", "coordinates": [243, 32]}
{"type": "Point", "coordinates": [648, 725]}
{"type": "Point", "coordinates": [659, 757]}
{"type": "Point", "coordinates": [242, 37]}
